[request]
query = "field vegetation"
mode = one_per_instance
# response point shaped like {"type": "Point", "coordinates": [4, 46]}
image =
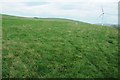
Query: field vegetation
{"type": "Point", "coordinates": [57, 48]}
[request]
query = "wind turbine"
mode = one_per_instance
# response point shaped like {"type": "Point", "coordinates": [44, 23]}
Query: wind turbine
{"type": "Point", "coordinates": [102, 16]}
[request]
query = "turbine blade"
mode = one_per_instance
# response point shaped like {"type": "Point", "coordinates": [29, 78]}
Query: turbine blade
{"type": "Point", "coordinates": [100, 15]}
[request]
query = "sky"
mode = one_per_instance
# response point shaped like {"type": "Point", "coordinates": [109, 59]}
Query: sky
{"type": "Point", "coordinates": [82, 10]}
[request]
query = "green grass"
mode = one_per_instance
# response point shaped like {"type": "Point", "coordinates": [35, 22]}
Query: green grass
{"type": "Point", "coordinates": [58, 48]}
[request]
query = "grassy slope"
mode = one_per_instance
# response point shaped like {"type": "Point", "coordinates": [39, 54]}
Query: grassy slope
{"type": "Point", "coordinates": [58, 48]}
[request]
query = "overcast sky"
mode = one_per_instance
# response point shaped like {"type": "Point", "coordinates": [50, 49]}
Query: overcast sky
{"type": "Point", "coordinates": [82, 10]}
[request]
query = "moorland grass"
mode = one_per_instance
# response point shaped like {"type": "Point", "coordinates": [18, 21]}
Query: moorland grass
{"type": "Point", "coordinates": [48, 48]}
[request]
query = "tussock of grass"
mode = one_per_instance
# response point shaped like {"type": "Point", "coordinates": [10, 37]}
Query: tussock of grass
{"type": "Point", "coordinates": [58, 48]}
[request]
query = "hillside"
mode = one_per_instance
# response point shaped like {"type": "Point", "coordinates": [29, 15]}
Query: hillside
{"type": "Point", "coordinates": [55, 48]}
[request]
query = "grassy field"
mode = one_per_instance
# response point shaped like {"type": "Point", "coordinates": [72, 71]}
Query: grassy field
{"type": "Point", "coordinates": [58, 48]}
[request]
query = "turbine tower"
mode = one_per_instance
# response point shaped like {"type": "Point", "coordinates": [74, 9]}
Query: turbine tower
{"type": "Point", "coordinates": [102, 16]}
